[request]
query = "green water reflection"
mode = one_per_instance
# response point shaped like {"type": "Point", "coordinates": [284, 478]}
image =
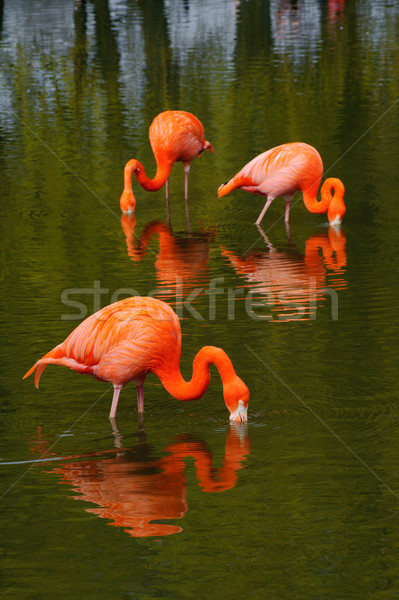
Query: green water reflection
{"type": "Point", "coordinates": [309, 493]}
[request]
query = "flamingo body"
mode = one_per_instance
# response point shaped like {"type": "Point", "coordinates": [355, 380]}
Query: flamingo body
{"type": "Point", "coordinates": [284, 170]}
{"type": "Point", "coordinates": [175, 135]}
{"type": "Point", "coordinates": [128, 339]}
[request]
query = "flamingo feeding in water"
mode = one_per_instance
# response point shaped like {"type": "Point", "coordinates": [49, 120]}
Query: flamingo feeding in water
{"type": "Point", "coordinates": [284, 170]}
{"type": "Point", "coordinates": [126, 340]}
{"type": "Point", "coordinates": [175, 135]}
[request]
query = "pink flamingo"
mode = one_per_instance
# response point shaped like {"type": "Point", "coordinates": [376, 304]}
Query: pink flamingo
{"type": "Point", "coordinates": [284, 170]}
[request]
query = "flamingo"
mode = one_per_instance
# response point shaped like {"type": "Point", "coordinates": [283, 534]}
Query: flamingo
{"type": "Point", "coordinates": [175, 135]}
{"type": "Point", "coordinates": [128, 339]}
{"type": "Point", "coordinates": [284, 170]}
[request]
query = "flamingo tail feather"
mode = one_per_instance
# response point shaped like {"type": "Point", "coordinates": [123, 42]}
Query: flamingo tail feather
{"type": "Point", "coordinates": [41, 364]}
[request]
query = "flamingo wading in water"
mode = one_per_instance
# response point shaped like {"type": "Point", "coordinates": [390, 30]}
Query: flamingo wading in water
{"type": "Point", "coordinates": [284, 170]}
{"type": "Point", "coordinates": [126, 340]}
{"type": "Point", "coordinates": [175, 135]}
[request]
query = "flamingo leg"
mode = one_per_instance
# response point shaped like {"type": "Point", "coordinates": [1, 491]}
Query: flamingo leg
{"type": "Point", "coordinates": [262, 214]}
{"type": "Point", "coordinates": [186, 171]}
{"type": "Point", "coordinates": [167, 189]}
{"type": "Point", "coordinates": [140, 397]}
{"type": "Point", "coordinates": [115, 398]}
{"type": "Point", "coordinates": [288, 199]}
{"type": "Point", "coordinates": [187, 216]}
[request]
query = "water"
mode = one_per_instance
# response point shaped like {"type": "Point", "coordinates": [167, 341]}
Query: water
{"type": "Point", "coordinates": [303, 501]}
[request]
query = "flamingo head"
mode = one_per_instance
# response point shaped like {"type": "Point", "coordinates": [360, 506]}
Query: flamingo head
{"type": "Point", "coordinates": [238, 181]}
{"type": "Point", "coordinates": [207, 146]}
{"type": "Point", "coordinates": [222, 190]}
{"type": "Point", "coordinates": [236, 397]}
{"type": "Point", "coordinates": [336, 222]}
{"type": "Point", "coordinates": [128, 201]}
{"type": "Point", "coordinates": [337, 208]}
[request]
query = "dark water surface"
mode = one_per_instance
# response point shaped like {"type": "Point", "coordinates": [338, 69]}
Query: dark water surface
{"type": "Point", "coordinates": [303, 501]}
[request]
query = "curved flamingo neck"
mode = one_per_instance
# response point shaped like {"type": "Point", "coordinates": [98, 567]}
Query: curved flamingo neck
{"type": "Point", "coordinates": [128, 201]}
{"type": "Point", "coordinates": [198, 384]}
{"type": "Point", "coordinates": [161, 176]}
{"type": "Point", "coordinates": [330, 202]}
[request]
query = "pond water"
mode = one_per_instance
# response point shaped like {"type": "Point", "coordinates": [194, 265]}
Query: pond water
{"type": "Point", "coordinates": [302, 501]}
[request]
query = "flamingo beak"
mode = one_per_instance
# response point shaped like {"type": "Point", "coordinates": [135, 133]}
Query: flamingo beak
{"type": "Point", "coordinates": [239, 415]}
{"type": "Point", "coordinates": [336, 222]}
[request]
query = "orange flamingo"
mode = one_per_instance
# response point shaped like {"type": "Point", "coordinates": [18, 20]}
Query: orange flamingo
{"type": "Point", "coordinates": [175, 135]}
{"type": "Point", "coordinates": [284, 170]}
{"type": "Point", "coordinates": [128, 339]}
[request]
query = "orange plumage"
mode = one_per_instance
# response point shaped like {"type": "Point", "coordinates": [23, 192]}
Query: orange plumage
{"type": "Point", "coordinates": [128, 339]}
{"type": "Point", "coordinates": [175, 135]}
{"type": "Point", "coordinates": [284, 170]}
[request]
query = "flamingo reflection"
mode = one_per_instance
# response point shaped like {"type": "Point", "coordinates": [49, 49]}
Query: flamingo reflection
{"type": "Point", "coordinates": [292, 283]}
{"type": "Point", "coordinates": [181, 262]}
{"type": "Point", "coordinates": [132, 489]}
